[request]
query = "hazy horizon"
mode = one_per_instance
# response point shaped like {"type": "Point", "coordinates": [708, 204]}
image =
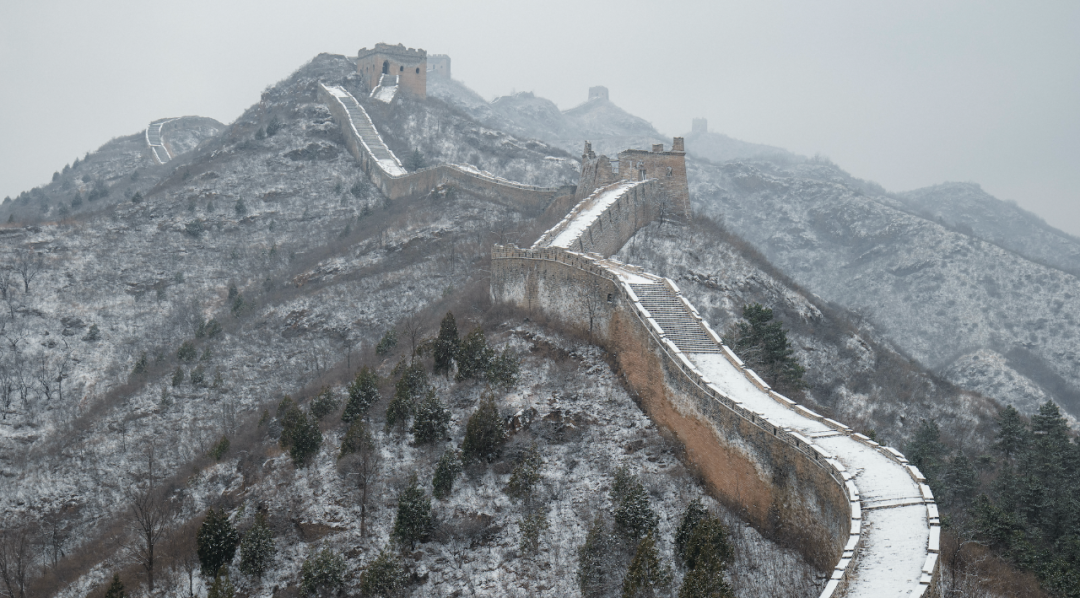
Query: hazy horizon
{"type": "Point", "coordinates": [907, 96]}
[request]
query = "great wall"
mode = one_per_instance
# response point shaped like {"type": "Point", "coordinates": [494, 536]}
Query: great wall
{"type": "Point", "coordinates": [847, 503]}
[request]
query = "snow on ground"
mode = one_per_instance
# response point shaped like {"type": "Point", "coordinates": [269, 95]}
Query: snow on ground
{"type": "Point", "coordinates": [384, 94]}
{"type": "Point", "coordinates": [589, 212]}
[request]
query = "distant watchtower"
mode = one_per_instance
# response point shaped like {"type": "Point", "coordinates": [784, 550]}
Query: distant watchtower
{"type": "Point", "coordinates": [699, 125]}
{"type": "Point", "coordinates": [408, 65]}
{"type": "Point", "coordinates": [598, 93]}
{"type": "Point", "coordinates": [438, 66]}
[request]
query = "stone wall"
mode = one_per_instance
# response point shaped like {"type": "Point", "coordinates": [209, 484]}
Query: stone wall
{"type": "Point", "coordinates": [465, 178]}
{"type": "Point", "coordinates": [782, 482]}
{"type": "Point", "coordinates": [778, 482]}
{"type": "Point", "coordinates": [637, 206]}
{"type": "Point", "coordinates": [667, 167]}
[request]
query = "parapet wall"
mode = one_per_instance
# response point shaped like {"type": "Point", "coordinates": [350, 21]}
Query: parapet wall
{"type": "Point", "coordinates": [464, 178]}
{"type": "Point", "coordinates": [634, 206]}
{"type": "Point", "coordinates": [783, 482]}
{"type": "Point", "coordinates": [780, 483]}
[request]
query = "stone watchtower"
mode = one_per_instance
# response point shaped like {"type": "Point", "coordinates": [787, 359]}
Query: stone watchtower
{"type": "Point", "coordinates": [668, 168]}
{"type": "Point", "coordinates": [438, 66]}
{"type": "Point", "coordinates": [408, 65]}
{"type": "Point", "coordinates": [699, 125]}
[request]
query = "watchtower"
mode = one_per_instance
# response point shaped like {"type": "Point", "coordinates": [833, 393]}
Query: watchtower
{"type": "Point", "coordinates": [598, 93]}
{"type": "Point", "coordinates": [669, 168]}
{"type": "Point", "coordinates": [406, 66]}
{"type": "Point", "coordinates": [438, 66]}
{"type": "Point", "coordinates": [699, 125]}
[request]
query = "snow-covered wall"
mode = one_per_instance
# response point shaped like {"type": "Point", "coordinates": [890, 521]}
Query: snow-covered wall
{"type": "Point", "coordinates": [396, 183]}
{"type": "Point", "coordinates": [744, 437]}
{"type": "Point", "coordinates": [604, 221]}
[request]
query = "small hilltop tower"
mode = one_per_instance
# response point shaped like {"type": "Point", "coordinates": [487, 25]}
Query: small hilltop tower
{"type": "Point", "coordinates": [667, 167]}
{"type": "Point", "coordinates": [405, 67]}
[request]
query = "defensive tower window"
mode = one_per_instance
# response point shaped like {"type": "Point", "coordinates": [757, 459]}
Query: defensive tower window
{"type": "Point", "coordinates": [386, 67]}
{"type": "Point", "coordinates": [417, 70]}
{"type": "Point", "coordinates": [401, 69]}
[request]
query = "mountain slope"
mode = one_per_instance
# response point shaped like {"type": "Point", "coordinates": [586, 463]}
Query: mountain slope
{"type": "Point", "coordinates": [938, 294]}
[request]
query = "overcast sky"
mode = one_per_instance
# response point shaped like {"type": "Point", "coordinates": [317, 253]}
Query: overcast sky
{"type": "Point", "coordinates": [907, 94]}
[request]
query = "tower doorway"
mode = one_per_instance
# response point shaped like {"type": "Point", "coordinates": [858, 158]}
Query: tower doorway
{"type": "Point", "coordinates": [386, 67]}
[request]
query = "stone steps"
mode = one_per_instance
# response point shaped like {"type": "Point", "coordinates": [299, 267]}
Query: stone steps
{"type": "Point", "coordinates": [678, 324]}
{"type": "Point", "coordinates": [366, 129]}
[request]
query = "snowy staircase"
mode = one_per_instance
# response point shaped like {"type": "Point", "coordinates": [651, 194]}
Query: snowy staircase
{"type": "Point", "coordinates": [366, 129]}
{"type": "Point", "coordinates": [386, 89]}
{"type": "Point", "coordinates": [153, 139]}
{"type": "Point", "coordinates": [674, 318]}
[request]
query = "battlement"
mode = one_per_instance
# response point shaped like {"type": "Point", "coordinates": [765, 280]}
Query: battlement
{"type": "Point", "coordinates": [409, 65]}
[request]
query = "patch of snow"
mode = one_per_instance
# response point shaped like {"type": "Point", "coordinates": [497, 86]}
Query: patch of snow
{"type": "Point", "coordinates": [590, 211]}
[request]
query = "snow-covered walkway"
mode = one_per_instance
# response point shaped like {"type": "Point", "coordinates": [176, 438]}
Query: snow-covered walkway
{"type": "Point", "coordinates": [365, 130]}
{"type": "Point", "coordinates": [895, 527]}
{"type": "Point", "coordinates": [586, 212]}
{"type": "Point", "coordinates": [156, 143]}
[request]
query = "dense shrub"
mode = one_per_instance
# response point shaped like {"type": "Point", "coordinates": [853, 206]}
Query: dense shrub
{"type": "Point", "coordinates": [219, 450]}
{"type": "Point", "coordinates": [323, 572]}
{"type": "Point", "coordinates": [646, 576]}
{"type": "Point", "coordinates": [116, 588]}
{"type": "Point", "coordinates": [594, 575]}
{"type": "Point", "coordinates": [187, 352]}
{"type": "Point", "coordinates": [763, 346]}
{"type": "Point", "coordinates": [385, 576]}
{"type": "Point", "coordinates": [386, 343]}
{"type": "Point", "coordinates": [532, 525]}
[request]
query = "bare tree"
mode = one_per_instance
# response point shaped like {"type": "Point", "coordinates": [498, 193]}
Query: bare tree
{"type": "Point", "coordinates": [43, 373]}
{"type": "Point", "coordinates": [151, 516]}
{"type": "Point", "coordinates": [7, 290]}
{"type": "Point", "coordinates": [363, 464]}
{"type": "Point", "coordinates": [16, 560]}
{"type": "Point", "coordinates": [28, 264]}
{"type": "Point", "coordinates": [413, 327]}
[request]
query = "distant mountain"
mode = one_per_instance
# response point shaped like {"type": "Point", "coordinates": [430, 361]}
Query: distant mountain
{"type": "Point", "coordinates": [977, 311]}
{"type": "Point", "coordinates": [717, 147]}
{"type": "Point", "coordinates": [966, 208]}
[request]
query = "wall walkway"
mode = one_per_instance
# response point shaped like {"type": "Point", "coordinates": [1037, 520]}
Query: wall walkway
{"type": "Point", "coordinates": [850, 504]}
{"type": "Point", "coordinates": [156, 142]}
{"type": "Point", "coordinates": [386, 171]}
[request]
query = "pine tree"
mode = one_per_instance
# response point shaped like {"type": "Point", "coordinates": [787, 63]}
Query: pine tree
{"type": "Point", "coordinates": [474, 356]}
{"type": "Point", "coordinates": [504, 369]}
{"type": "Point", "coordinates": [485, 431]}
{"type": "Point", "coordinates": [305, 438]}
{"type": "Point", "coordinates": [695, 512]}
{"type": "Point", "coordinates": [257, 550]}
{"type": "Point", "coordinates": [594, 575]}
{"type": "Point", "coordinates": [958, 481]}
{"type": "Point", "coordinates": [323, 572]}
{"type": "Point", "coordinates": [708, 545]}
{"type": "Point", "coordinates": [448, 468]}
{"type": "Point", "coordinates": [324, 404]}
{"type": "Point", "coordinates": [411, 386]}
{"type": "Point", "coordinates": [431, 422]}
{"type": "Point", "coordinates": [925, 450]}
{"type": "Point", "coordinates": [358, 438]}
{"type": "Point", "coordinates": [646, 576]}
{"type": "Point", "coordinates": [532, 525]}
{"type": "Point", "coordinates": [363, 393]}
{"type": "Point", "coordinates": [413, 520]}
{"type": "Point", "coordinates": [526, 475]}
{"type": "Point", "coordinates": [384, 577]}
{"type": "Point", "coordinates": [1012, 434]}
{"type": "Point", "coordinates": [764, 346]}
{"type": "Point", "coordinates": [216, 541]}
{"type": "Point", "coordinates": [446, 345]}
{"type": "Point", "coordinates": [634, 516]}
{"type": "Point", "coordinates": [116, 588]}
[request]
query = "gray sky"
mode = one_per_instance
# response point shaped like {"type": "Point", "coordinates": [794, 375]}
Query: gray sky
{"type": "Point", "coordinates": [907, 94]}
